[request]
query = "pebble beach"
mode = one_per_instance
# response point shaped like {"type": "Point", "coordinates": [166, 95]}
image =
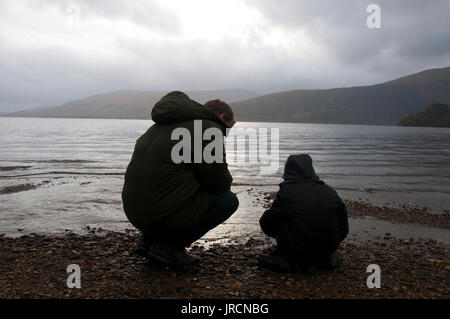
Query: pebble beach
{"type": "Point", "coordinates": [35, 265]}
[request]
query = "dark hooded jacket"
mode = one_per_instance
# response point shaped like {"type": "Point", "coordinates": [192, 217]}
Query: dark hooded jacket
{"type": "Point", "coordinates": [306, 213]}
{"type": "Point", "coordinates": [155, 186]}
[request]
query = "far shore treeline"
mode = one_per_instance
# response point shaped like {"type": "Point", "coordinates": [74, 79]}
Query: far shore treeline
{"type": "Point", "coordinates": [437, 115]}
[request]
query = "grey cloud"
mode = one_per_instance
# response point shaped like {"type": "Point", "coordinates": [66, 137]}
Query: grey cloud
{"type": "Point", "coordinates": [414, 36]}
{"type": "Point", "coordinates": [414, 33]}
{"type": "Point", "coordinates": [145, 13]}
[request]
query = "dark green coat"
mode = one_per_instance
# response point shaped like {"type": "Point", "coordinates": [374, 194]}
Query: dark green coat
{"type": "Point", "coordinates": [155, 186]}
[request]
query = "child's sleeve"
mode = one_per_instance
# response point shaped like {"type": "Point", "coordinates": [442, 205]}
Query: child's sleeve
{"type": "Point", "coordinates": [342, 220]}
{"type": "Point", "coordinates": [271, 219]}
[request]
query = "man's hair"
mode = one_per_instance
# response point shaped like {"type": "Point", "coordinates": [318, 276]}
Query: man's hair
{"type": "Point", "coordinates": [217, 107]}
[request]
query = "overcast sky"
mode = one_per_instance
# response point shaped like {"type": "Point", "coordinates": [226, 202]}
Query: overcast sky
{"type": "Point", "coordinates": [53, 51]}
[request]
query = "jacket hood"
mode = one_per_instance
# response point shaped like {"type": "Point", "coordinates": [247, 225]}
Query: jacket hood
{"type": "Point", "coordinates": [299, 167]}
{"type": "Point", "coordinates": [176, 106]}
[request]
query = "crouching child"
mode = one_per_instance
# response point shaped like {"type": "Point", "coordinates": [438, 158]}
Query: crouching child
{"type": "Point", "coordinates": [307, 218]}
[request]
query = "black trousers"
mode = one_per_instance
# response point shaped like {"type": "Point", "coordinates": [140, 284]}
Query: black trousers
{"type": "Point", "coordinates": [293, 244]}
{"type": "Point", "coordinates": [176, 230]}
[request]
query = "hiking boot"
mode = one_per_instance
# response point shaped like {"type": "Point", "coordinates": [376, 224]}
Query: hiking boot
{"type": "Point", "coordinates": [335, 260]}
{"type": "Point", "coordinates": [276, 262]}
{"type": "Point", "coordinates": [171, 255]}
{"type": "Point", "coordinates": [142, 247]}
{"type": "Point", "coordinates": [332, 262]}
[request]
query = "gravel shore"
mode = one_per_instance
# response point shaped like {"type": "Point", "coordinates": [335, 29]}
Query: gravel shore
{"type": "Point", "coordinates": [34, 266]}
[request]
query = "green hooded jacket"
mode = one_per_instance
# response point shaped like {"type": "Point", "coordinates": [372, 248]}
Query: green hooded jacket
{"type": "Point", "coordinates": [155, 186]}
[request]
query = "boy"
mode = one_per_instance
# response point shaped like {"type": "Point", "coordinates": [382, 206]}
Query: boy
{"type": "Point", "coordinates": [307, 218]}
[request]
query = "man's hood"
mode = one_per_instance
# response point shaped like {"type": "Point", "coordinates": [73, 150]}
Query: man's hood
{"type": "Point", "coordinates": [299, 167]}
{"type": "Point", "coordinates": [176, 106]}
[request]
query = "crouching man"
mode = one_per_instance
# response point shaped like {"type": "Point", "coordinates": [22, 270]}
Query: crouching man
{"type": "Point", "coordinates": [175, 202]}
{"type": "Point", "coordinates": [307, 218]}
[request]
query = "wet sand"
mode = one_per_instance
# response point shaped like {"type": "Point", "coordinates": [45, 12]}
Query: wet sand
{"type": "Point", "coordinates": [34, 266]}
{"type": "Point", "coordinates": [402, 215]}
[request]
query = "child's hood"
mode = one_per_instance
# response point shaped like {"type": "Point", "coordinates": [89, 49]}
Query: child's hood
{"type": "Point", "coordinates": [299, 167]}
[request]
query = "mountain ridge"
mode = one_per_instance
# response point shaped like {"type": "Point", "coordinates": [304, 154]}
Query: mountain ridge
{"type": "Point", "coordinates": [381, 104]}
{"type": "Point", "coordinates": [125, 104]}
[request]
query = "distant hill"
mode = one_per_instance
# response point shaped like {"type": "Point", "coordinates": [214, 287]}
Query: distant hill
{"type": "Point", "coordinates": [384, 103]}
{"type": "Point", "coordinates": [437, 115]}
{"type": "Point", "coordinates": [126, 104]}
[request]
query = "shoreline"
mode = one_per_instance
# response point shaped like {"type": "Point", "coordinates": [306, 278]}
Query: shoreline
{"type": "Point", "coordinates": [34, 266]}
{"type": "Point", "coordinates": [402, 215]}
{"type": "Point", "coordinates": [406, 219]}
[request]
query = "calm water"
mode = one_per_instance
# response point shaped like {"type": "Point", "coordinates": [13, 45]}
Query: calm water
{"type": "Point", "coordinates": [78, 165]}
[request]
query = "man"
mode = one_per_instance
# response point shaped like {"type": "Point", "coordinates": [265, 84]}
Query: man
{"type": "Point", "coordinates": [175, 203]}
{"type": "Point", "coordinates": [307, 218]}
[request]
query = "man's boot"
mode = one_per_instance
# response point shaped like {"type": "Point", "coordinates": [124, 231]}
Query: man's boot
{"type": "Point", "coordinates": [276, 262]}
{"type": "Point", "coordinates": [143, 245]}
{"type": "Point", "coordinates": [332, 262]}
{"type": "Point", "coordinates": [171, 255]}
